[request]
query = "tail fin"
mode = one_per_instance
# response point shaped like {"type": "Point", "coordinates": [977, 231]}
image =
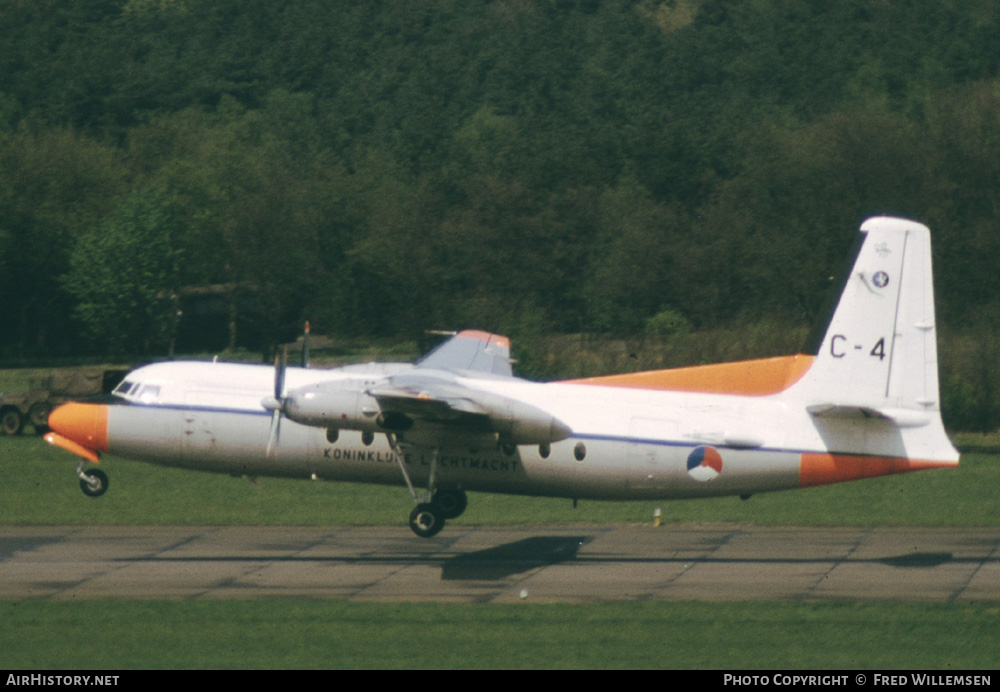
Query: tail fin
{"type": "Point", "coordinates": [472, 350]}
{"type": "Point", "coordinates": [878, 353]}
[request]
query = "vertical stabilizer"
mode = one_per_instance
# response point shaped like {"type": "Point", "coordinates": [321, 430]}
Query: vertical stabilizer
{"type": "Point", "coordinates": [878, 354]}
{"type": "Point", "coordinates": [472, 350]}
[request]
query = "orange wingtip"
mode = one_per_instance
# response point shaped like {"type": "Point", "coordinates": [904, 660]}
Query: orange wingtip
{"type": "Point", "coordinates": [746, 378]}
{"type": "Point", "coordinates": [825, 468]}
{"type": "Point", "coordinates": [72, 447]}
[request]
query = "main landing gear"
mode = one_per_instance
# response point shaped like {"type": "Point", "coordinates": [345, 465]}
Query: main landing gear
{"type": "Point", "coordinates": [434, 506]}
{"type": "Point", "coordinates": [93, 482]}
{"type": "Point", "coordinates": [428, 518]}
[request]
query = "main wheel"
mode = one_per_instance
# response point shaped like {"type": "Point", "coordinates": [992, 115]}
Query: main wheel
{"type": "Point", "coordinates": [426, 520]}
{"type": "Point", "coordinates": [96, 483]}
{"type": "Point", "coordinates": [451, 502]}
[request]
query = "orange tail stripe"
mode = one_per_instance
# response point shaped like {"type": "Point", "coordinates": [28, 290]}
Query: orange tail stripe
{"type": "Point", "coordinates": [821, 469]}
{"type": "Point", "coordinates": [748, 378]}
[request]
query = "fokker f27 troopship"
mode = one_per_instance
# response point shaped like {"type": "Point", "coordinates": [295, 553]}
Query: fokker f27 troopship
{"type": "Point", "coordinates": [860, 401]}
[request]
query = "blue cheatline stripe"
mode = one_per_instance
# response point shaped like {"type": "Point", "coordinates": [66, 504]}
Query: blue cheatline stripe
{"type": "Point", "coordinates": [576, 436]}
{"type": "Point", "coordinates": [204, 409]}
{"type": "Point", "coordinates": [692, 444]}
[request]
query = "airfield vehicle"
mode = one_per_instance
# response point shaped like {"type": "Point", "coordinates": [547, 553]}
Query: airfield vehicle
{"type": "Point", "coordinates": [18, 409]}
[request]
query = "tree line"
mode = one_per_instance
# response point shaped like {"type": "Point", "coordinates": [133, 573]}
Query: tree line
{"type": "Point", "coordinates": [529, 166]}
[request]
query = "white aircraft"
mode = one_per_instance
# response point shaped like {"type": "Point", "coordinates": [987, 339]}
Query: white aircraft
{"type": "Point", "coordinates": [861, 402]}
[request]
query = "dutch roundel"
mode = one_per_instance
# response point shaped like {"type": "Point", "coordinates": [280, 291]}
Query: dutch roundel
{"type": "Point", "coordinates": [704, 463]}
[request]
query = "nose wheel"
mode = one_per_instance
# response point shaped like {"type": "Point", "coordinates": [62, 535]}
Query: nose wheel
{"type": "Point", "coordinates": [93, 482]}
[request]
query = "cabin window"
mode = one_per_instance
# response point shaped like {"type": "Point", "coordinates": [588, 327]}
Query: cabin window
{"type": "Point", "coordinates": [332, 435]}
{"type": "Point", "coordinates": [367, 438]}
{"type": "Point", "coordinates": [580, 451]}
{"type": "Point", "coordinates": [544, 450]}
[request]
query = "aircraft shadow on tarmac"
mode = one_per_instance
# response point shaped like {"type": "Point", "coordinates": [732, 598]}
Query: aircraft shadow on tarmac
{"type": "Point", "coordinates": [490, 564]}
{"type": "Point", "coordinates": [501, 561]}
{"type": "Point", "coordinates": [512, 558]}
{"type": "Point", "coordinates": [919, 560]}
{"type": "Point", "coordinates": [10, 546]}
{"type": "Point", "coordinates": [522, 556]}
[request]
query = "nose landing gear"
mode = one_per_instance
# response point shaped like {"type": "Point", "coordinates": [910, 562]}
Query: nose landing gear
{"type": "Point", "coordinates": [93, 482]}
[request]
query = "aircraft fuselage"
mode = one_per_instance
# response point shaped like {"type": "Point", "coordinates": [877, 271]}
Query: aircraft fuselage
{"type": "Point", "coordinates": [625, 443]}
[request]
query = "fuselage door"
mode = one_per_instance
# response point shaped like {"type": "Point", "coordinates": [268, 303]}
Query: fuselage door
{"type": "Point", "coordinates": [649, 454]}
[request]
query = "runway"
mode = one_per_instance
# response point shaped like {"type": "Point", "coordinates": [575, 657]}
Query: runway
{"type": "Point", "coordinates": [465, 564]}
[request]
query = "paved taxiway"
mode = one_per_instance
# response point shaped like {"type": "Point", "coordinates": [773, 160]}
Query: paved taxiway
{"type": "Point", "coordinates": [477, 564]}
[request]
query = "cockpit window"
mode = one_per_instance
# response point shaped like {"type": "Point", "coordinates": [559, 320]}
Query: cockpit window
{"type": "Point", "coordinates": [137, 391]}
{"type": "Point", "coordinates": [124, 388]}
{"type": "Point", "coordinates": [149, 393]}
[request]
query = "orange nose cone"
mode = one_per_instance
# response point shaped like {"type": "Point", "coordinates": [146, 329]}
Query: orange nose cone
{"type": "Point", "coordinates": [85, 424]}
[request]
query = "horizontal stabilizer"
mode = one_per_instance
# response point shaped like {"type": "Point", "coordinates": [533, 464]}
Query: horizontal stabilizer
{"type": "Point", "coordinates": [901, 417]}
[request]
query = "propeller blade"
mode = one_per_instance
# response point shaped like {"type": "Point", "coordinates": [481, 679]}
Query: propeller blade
{"type": "Point", "coordinates": [272, 438]}
{"type": "Point", "coordinates": [305, 347]}
{"type": "Point", "coordinates": [280, 363]}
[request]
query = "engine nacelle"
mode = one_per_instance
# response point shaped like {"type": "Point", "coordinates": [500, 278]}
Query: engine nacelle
{"type": "Point", "coordinates": [340, 408]}
{"type": "Point", "coordinates": [518, 423]}
{"type": "Point", "coordinates": [349, 406]}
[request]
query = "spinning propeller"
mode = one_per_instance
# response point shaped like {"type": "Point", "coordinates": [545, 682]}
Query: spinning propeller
{"type": "Point", "coordinates": [276, 404]}
{"type": "Point", "coordinates": [305, 346]}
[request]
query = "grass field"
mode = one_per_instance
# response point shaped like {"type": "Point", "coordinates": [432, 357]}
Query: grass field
{"type": "Point", "coordinates": [291, 634]}
{"type": "Point", "coordinates": [40, 488]}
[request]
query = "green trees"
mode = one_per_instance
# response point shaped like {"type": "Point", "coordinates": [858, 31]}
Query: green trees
{"type": "Point", "coordinates": [521, 166]}
{"type": "Point", "coordinates": [257, 206]}
{"type": "Point", "coordinates": [125, 275]}
{"type": "Point", "coordinates": [639, 266]}
{"type": "Point", "coordinates": [54, 184]}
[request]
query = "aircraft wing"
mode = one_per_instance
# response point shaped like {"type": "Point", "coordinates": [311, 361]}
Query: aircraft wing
{"type": "Point", "coordinates": [430, 401]}
{"type": "Point", "coordinates": [417, 401]}
{"type": "Point", "coordinates": [471, 350]}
